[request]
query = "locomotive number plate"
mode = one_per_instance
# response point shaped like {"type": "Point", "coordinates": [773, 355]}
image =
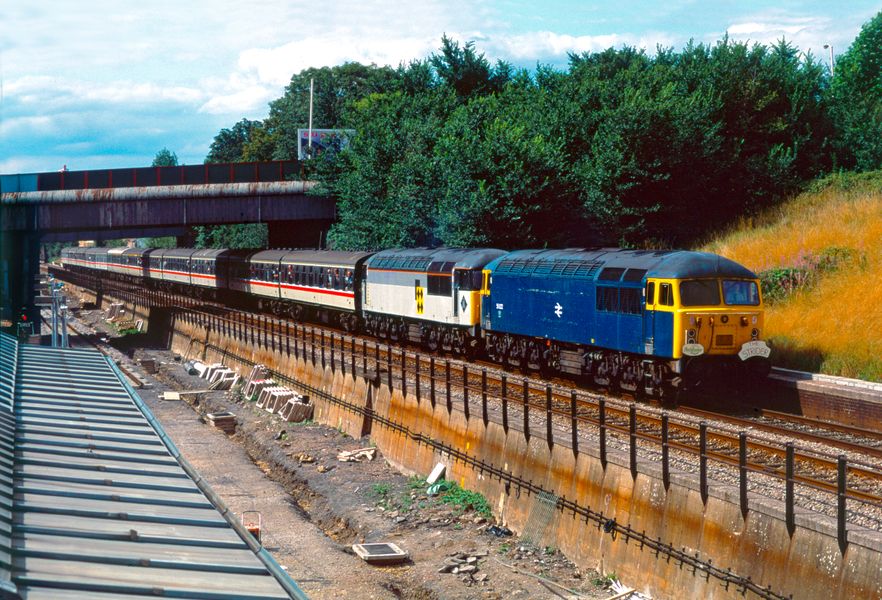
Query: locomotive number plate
{"type": "Point", "coordinates": [754, 348]}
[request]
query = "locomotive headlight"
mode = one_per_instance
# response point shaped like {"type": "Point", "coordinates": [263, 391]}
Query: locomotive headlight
{"type": "Point", "coordinates": [724, 318]}
{"type": "Point", "coordinates": [754, 320]}
{"type": "Point", "coordinates": [690, 335]}
{"type": "Point", "coordinates": [691, 319]}
{"type": "Point", "coordinates": [754, 333]}
{"type": "Point", "coordinates": [744, 321]}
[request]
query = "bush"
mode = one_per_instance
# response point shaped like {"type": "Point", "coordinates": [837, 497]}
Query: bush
{"type": "Point", "coordinates": [780, 282]}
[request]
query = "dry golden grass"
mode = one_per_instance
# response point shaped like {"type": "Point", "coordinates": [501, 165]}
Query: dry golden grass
{"type": "Point", "coordinates": [836, 326]}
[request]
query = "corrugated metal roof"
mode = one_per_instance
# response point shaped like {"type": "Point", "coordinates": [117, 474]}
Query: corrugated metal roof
{"type": "Point", "coordinates": [8, 361]}
{"type": "Point", "coordinates": [103, 504]}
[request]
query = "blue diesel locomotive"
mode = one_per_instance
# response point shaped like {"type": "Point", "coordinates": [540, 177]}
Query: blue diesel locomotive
{"type": "Point", "coordinates": [631, 318]}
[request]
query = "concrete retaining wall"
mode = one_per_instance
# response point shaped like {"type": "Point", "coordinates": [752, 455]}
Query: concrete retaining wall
{"type": "Point", "coordinates": [414, 436]}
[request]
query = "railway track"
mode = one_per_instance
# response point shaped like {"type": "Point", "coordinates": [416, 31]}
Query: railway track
{"type": "Point", "coordinates": [557, 409]}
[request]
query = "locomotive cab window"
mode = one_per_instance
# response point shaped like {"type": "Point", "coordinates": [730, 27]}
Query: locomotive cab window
{"type": "Point", "coordinates": [700, 292]}
{"type": "Point", "coordinates": [740, 293]}
{"type": "Point", "coordinates": [468, 280]}
{"type": "Point", "coordinates": [650, 293]}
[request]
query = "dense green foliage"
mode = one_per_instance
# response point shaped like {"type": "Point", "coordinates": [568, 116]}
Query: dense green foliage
{"type": "Point", "coordinates": [622, 147]}
{"type": "Point", "coordinates": [856, 99]}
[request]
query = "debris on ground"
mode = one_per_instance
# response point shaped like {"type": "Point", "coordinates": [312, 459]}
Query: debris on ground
{"type": "Point", "coordinates": [381, 553]}
{"type": "Point", "coordinates": [357, 455]}
{"type": "Point", "coordinates": [224, 420]}
{"type": "Point", "coordinates": [499, 531]}
{"type": "Point", "coordinates": [436, 474]}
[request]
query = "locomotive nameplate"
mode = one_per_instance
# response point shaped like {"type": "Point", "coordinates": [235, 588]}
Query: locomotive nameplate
{"type": "Point", "coordinates": [753, 349]}
{"type": "Point", "coordinates": [693, 349]}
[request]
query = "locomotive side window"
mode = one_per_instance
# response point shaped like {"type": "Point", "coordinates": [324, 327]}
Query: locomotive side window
{"type": "Point", "coordinates": [650, 293]}
{"type": "Point", "coordinates": [666, 295]}
{"type": "Point", "coordinates": [439, 285]}
{"type": "Point", "coordinates": [607, 299]}
{"type": "Point", "coordinates": [629, 301]}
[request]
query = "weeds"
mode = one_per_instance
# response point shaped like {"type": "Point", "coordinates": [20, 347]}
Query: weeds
{"type": "Point", "coordinates": [462, 500]}
{"type": "Point", "coordinates": [605, 580]}
{"type": "Point", "coordinates": [380, 490]}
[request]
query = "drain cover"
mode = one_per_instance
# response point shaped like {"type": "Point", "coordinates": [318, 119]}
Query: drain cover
{"type": "Point", "coordinates": [380, 553]}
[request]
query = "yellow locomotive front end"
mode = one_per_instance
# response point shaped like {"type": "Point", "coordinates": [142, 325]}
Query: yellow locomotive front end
{"type": "Point", "coordinates": [718, 326]}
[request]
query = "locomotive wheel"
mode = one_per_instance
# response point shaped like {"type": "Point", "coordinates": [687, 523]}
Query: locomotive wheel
{"type": "Point", "coordinates": [432, 340]}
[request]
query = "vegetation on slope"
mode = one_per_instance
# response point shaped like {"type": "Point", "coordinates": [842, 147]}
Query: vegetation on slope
{"type": "Point", "coordinates": [820, 258]}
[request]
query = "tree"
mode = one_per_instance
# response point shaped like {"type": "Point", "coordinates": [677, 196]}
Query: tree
{"type": "Point", "coordinates": [334, 88]}
{"type": "Point", "coordinates": [165, 158]}
{"type": "Point", "coordinates": [466, 71]}
{"type": "Point", "coordinates": [229, 144]}
{"type": "Point", "coordinates": [856, 99]}
{"type": "Point", "coordinates": [245, 235]}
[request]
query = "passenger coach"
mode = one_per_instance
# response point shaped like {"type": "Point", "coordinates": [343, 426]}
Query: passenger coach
{"type": "Point", "coordinates": [325, 283]}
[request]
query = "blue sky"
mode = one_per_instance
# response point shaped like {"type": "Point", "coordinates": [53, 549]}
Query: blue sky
{"type": "Point", "coordinates": [104, 83]}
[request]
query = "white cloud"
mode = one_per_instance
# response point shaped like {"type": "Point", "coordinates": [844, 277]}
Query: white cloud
{"type": "Point", "coordinates": [808, 33]}
{"type": "Point", "coordinates": [276, 65]}
{"type": "Point", "coordinates": [39, 125]}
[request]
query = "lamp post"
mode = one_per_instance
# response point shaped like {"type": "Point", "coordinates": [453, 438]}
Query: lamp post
{"type": "Point", "coordinates": [832, 64]}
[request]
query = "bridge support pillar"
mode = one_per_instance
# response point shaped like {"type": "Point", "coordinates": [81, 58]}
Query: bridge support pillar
{"type": "Point", "coordinates": [311, 233]}
{"type": "Point", "coordinates": [19, 263]}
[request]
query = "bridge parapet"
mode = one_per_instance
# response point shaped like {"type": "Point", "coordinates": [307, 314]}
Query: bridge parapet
{"type": "Point", "coordinates": [209, 173]}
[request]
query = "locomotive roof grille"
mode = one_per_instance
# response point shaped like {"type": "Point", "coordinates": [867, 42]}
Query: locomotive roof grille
{"type": "Point", "coordinates": [581, 269]}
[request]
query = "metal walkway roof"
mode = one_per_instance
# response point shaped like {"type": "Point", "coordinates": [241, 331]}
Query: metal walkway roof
{"type": "Point", "coordinates": [95, 500]}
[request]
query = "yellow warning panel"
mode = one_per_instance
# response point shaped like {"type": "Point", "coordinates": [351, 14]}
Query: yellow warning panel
{"type": "Point", "coordinates": [419, 292]}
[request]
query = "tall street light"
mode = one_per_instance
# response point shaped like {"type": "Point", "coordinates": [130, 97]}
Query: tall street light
{"type": "Point", "coordinates": [832, 64]}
